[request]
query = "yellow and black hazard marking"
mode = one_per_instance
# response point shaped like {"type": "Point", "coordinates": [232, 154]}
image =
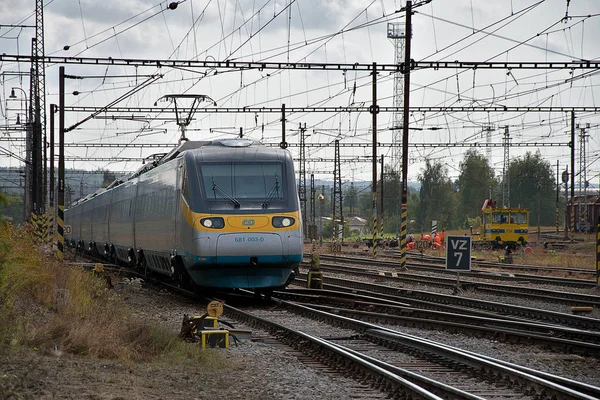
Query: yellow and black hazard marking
{"type": "Point", "coordinates": [374, 236]}
{"type": "Point", "coordinates": [40, 223]}
{"type": "Point", "coordinates": [403, 221]}
{"type": "Point", "coordinates": [60, 232]}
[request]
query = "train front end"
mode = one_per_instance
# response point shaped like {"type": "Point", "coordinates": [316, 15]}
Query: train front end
{"type": "Point", "coordinates": [241, 202]}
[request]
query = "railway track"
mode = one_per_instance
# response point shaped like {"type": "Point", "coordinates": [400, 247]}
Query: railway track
{"type": "Point", "coordinates": [521, 287]}
{"type": "Point", "coordinates": [444, 302]}
{"type": "Point", "coordinates": [443, 370]}
{"type": "Point", "coordinates": [382, 311]}
{"type": "Point", "coordinates": [484, 265]}
{"type": "Point", "coordinates": [474, 273]}
{"type": "Point", "coordinates": [384, 361]}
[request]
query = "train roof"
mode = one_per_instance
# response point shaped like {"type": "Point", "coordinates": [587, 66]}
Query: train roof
{"type": "Point", "coordinates": [162, 158]}
{"type": "Point", "coordinates": [222, 143]}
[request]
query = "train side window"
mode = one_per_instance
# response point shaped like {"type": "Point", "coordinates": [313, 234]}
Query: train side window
{"type": "Point", "coordinates": [185, 186]}
{"type": "Point", "coordinates": [500, 218]}
{"type": "Point", "coordinates": [518, 217]}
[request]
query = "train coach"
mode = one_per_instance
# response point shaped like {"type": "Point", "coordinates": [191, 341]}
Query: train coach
{"type": "Point", "coordinates": [213, 214]}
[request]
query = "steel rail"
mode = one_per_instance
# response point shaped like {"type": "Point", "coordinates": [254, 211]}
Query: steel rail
{"type": "Point", "coordinates": [336, 356]}
{"type": "Point", "coordinates": [582, 283]}
{"type": "Point", "coordinates": [413, 296]}
{"type": "Point", "coordinates": [541, 383]}
{"type": "Point", "coordinates": [546, 336]}
{"type": "Point", "coordinates": [573, 299]}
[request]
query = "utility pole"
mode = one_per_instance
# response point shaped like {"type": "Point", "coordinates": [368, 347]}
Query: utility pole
{"type": "Point", "coordinates": [506, 169]}
{"type": "Point", "coordinates": [381, 201]}
{"type": "Point", "coordinates": [583, 183]}
{"type": "Point", "coordinates": [374, 110]}
{"type": "Point", "coordinates": [395, 32]}
{"type": "Point", "coordinates": [52, 211]}
{"type": "Point", "coordinates": [60, 232]}
{"type": "Point", "coordinates": [337, 194]}
{"type": "Point", "coordinates": [322, 211]}
{"type": "Point", "coordinates": [557, 194]}
{"type": "Point", "coordinates": [313, 230]}
{"type": "Point", "coordinates": [565, 179]}
{"type": "Point", "coordinates": [404, 196]}
{"type": "Point", "coordinates": [302, 177]}
{"type": "Point", "coordinates": [572, 143]}
{"type": "Point", "coordinates": [283, 143]}
{"type": "Point", "coordinates": [38, 102]}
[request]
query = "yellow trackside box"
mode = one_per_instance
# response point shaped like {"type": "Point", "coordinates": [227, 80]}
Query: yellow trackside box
{"type": "Point", "coordinates": [215, 338]}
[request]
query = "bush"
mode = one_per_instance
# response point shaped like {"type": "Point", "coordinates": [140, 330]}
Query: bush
{"type": "Point", "coordinates": [93, 323]}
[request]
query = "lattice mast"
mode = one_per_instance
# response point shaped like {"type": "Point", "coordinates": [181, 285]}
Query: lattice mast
{"type": "Point", "coordinates": [313, 207]}
{"type": "Point", "coordinates": [506, 169]}
{"type": "Point", "coordinates": [396, 33]}
{"type": "Point", "coordinates": [337, 194]}
{"type": "Point", "coordinates": [39, 105]}
{"type": "Point", "coordinates": [302, 177]}
{"type": "Point", "coordinates": [583, 183]}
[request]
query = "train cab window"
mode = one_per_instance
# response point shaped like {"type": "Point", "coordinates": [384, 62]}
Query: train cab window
{"type": "Point", "coordinates": [518, 218]}
{"type": "Point", "coordinates": [185, 185]}
{"type": "Point", "coordinates": [255, 181]}
{"type": "Point", "coordinates": [500, 218]}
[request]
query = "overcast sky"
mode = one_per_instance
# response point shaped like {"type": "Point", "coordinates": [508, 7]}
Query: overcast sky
{"type": "Point", "coordinates": [332, 31]}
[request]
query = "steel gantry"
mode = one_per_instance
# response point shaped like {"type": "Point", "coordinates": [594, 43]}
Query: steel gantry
{"type": "Point", "coordinates": [262, 65]}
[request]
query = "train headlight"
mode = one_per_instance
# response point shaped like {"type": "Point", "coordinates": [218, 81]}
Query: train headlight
{"type": "Point", "coordinates": [213, 223]}
{"type": "Point", "coordinates": [283, 222]}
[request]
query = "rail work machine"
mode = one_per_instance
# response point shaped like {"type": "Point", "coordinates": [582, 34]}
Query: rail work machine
{"type": "Point", "coordinates": [503, 226]}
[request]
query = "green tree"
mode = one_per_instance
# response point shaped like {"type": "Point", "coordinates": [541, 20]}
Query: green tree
{"type": "Point", "coordinates": [531, 176]}
{"type": "Point", "coordinates": [474, 184]}
{"type": "Point", "coordinates": [438, 198]}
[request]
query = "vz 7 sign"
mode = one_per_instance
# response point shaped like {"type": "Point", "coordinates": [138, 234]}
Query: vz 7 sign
{"type": "Point", "coordinates": [458, 253]}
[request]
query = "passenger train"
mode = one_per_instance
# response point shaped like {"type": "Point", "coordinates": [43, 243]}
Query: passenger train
{"type": "Point", "coordinates": [212, 214]}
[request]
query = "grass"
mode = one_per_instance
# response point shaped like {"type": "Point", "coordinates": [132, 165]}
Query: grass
{"type": "Point", "coordinates": [94, 323]}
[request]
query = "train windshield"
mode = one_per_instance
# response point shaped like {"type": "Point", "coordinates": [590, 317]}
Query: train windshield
{"type": "Point", "coordinates": [500, 217]}
{"type": "Point", "coordinates": [518, 217]}
{"type": "Point", "coordinates": [243, 180]}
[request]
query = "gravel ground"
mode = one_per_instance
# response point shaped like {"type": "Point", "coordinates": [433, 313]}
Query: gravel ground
{"type": "Point", "coordinates": [255, 369]}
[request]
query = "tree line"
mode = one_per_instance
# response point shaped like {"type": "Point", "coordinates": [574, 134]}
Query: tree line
{"type": "Point", "coordinates": [456, 204]}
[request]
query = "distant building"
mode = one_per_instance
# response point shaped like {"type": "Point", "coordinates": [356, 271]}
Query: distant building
{"type": "Point", "coordinates": [357, 226]}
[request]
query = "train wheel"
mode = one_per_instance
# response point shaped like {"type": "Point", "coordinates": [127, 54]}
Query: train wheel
{"type": "Point", "coordinates": [181, 275]}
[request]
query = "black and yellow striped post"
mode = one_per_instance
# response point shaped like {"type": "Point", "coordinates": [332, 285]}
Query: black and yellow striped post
{"type": "Point", "coordinates": [403, 230]}
{"type": "Point", "coordinates": [598, 252]}
{"type": "Point", "coordinates": [60, 218]}
{"type": "Point", "coordinates": [50, 230]}
{"type": "Point", "coordinates": [374, 235]}
{"type": "Point", "coordinates": [60, 232]}
{"type": "Point", "coordinates": [572, 219]}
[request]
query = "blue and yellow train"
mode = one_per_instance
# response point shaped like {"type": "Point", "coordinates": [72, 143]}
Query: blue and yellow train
{"type": "Point", "coordinates": [502, 227]}
{"type": "Point", "coordinates": [214, 214]}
